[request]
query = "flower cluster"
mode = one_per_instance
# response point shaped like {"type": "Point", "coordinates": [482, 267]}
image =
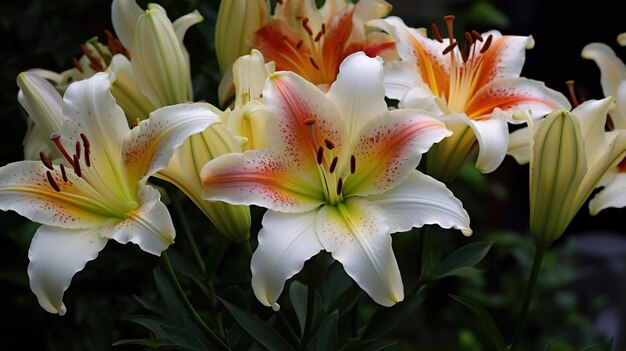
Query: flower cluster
{"type": "Point", "coordinates": [323, 117]}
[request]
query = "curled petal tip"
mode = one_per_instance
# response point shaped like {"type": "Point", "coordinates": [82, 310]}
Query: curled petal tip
{"type": "Point", "coordinates": [275, 307]}
{"type": "Point", "coordinates": [467, 232]}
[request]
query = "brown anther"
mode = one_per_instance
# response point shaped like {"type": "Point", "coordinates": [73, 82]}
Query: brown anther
{"type": "Point", "coordinates": [320, 155]}
{"type": "Point", "coordinates": [487, 44]}
{"type": "Point", "coordinates": [329, 144]}
{"type": "Point", "coordinates": [76, 166]}
{"type": "Point", "coordinates": [339, 186]}
{"type": "Point", "coordinates": [87, 160]}
{"type": "Point", "coordinates": [572, 92]}
{"type": "Point", "coordinates": [318, 36]}
{"type": "Point", "coordinates": [96, 66]}
{"type": "Point", "coordinates": [477, 36]}
{"type": "Point", "coordinates": [95, 62]}
{"type": "Point", "coordinates": [77, 65]}
{"type": "Point", "coordinates": [77, 153]}
{"type": "Point", "coordinates": [52, 182]}
{"type": "Point", "coordinates": [333, 165]}
{"type": "Point", "coordinates": [450, 24]}
{"type": "Point", "coordinates": [63, 174]}
{"type": "Point", "coordinates": [313, 63]}
{"type": "Point", "coordinates": [300, 42]}
{"type": "Point", "coordinates": [323, 28]}
{"type": "Point", "coordinates": [305, 25]}
{"type": "Point", "coordinates": [449, 48]}
{"type": "Point", "coordinates": [46, 161]}
{"type": "Point", "coordinates": [309, 121]}
{"type": "Point", "coordinates": [83, 137]}
{"type": "Point", "coordinates": [435, 30]}
{"type": "Point", "coordinates": [56, 139]}
{"type": "Point", "coordinates": [352, 164]}
{"type": "Point", "coordinates": [469, 39]}
{"type": "Point", "coordinates": [464, 51]}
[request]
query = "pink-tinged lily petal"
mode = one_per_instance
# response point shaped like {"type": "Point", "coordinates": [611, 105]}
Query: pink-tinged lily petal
{"type": "Point", "coordinates": [612, 69]}
{"type": "Point", "coordinates": [400, 78]}
{"type": "Point", "coordinates": [356, 233]}
{"type": "Point", "coordinates": [612, 195]}
{"type": "Point", "coordinates": [151, 144]}
{"type": "Point", "coordinates": [360, 97]}
{"type": "Point", "coordinates": [420, 200]}
{"type": "Point", "coordinates": [286, 241]}
{"type": "Point", "coordinates": [388, 147]}
{"type": "Point", "coordinates": [25, 189]}
{"type": "Point", "coordinates": [514, 94]}
{"type": "Point", "coordinates": [149, 226]}
{"type": "Point", "coordinates": [55, 255]}
{"type": "Point", "coordinates": [263, 178]}
{"type": "Point", "coordinates": [492, 136]}
{"type": "Point", "coordinates": [306, 118]}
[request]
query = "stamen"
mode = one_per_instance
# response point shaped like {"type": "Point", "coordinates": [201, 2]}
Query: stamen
{"type": "Point", "coordinates": [85, 140]}
{"type": "Point", "coordinates": [572, 92]}
{"type": "Point", "coordinates": [95, 62]}
{"type": "Point", "coordinates": [318, 36]}
{"type": "Point", "coordinates": [87, 160]}
{"type": "Point", "coordinates": [487, 44]}
{"type": "Point", "coordinates": [313, 63]}
{"type": "Point", "coordinates": [77, 149]}
{"type": "Point", "coordinates": [305, 25]}
{"type": "Point", "coordinates": [323, 28]}
{"type": "Point", "coordinates": [46, 161]}
{"type": "Point", "coordinates": [333, 165]}
{"type": "Point", "coordinates": [450, 23]}
{"type": "Point", "coordinates": [339, 186]}
{"type": "Point", "coordinates": [309, 121]}
{"type": "Point", "coordinates": [469, 39]}
{"type": "Point", "coordinates": [352, 164]}
{"type": "Point", "coordinates": [449, 48]}
{"type": "Point", "coordinates": [52, 182]}
{"type": "Point", "coordinates": [77, 65]}
{"type": "Point", "coordinates": [320, 155]}
{"type": "Point", "coordinates": [63, 174]}
{"type": "Point", "coordinates": [464, 51]}
{"type": "Point", "coordinates": [135, 123]}
{"type": "Point", "coordinates": [329, 144]}
{"type": "Point", "coordinates": [299, 44]}
{"type": "Point", "coordinates": [477, 35]}
{"type": "Point", "coordinates": [56, 138]}
{"type": "Point", "coordinates": [436, 34]}
{"type": "Point", "coordinates": [76, 166]}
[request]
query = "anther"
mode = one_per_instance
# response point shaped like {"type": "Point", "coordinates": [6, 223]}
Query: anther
{"type": "Point", "coordinates": [56, 139]}
{"type": "Point", "coordinates": [339, 186]}
{"type": "Point", "coordinates": [318, 36]}
{"type": "Point", "coordinates": [323, 28]}
{"type": "Point", "coordinates": [436, 34]}
{"type": "Point", "coordinates": [313, 63]}
{"type": "Point", "coordinates": [449, 48]}
{"type": "Point", "coordinates": [77, 65]}
{"type": "Point", "coordinates": [76, 165]}
{"type": "Point", "coordinates": [320, 155]}
{"type": "Point", "coordinates": [487, 44]}
{"type": "Point", "coordinates": [477, 35]}
{"type": "Point", "coordinates": [450, 23]}
{"type": "Point", "coordinates": [300, 42]}
{"type": "Point", "coordinates": [469, 39]}
{"type": "Point", "coordinates": [85, 140]}
{"type": "Point", "coordinates": [46, 161]}
{"type": "Point", "coordinates": [333, 165]}
{"type": "Point", "coordinates": [305, 25]}
{"type": "Point", "coordinates": [135, 123]}
{"type": "Point", "coordinates": [87, 160]}
{"type": "Point", "coordinates": [63, 174]}
{"type": "Point", "coordinates": [77, 149]}
{"type": "Point", "coordinates": [572, 92]}
{"type": "Point", "coordinates": [329, 144]}
{"type": "Point", "coordinates": [309, 121]}
{"type": "Point", "coordinates": [52, 182]}
{"type": "Point", "coordinates": [464, 51]}
{"type": "Point", "coordinates": [352, 164]}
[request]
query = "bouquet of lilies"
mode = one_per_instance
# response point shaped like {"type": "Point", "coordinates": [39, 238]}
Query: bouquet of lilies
{"type": "Point", "coordinates": [307, 162]}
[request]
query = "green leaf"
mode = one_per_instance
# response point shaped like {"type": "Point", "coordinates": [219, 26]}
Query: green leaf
{"type": "Point", "coordinates": [257, 328]}
{"type": "Point", "coordinates": [387, 319]}
{"type": "Point", "coordinates": [371, 345]}
{"type": "Point", "coordinates": [149, 343]}
{"type": "Point", "coordinates": [484, 318]}
{"type": "Point", "coordinates": [168, 333]}
{"type": "Point", "coordinates": [298, 296]}
{"type": "Point", "coordinates": [465, 256]}
{"type": "Point", "coordinates": [326, 337]}
{"type": "Point", "coordinates": [339, 291]}
{"type": "Point", "coordinates": [431, 255]}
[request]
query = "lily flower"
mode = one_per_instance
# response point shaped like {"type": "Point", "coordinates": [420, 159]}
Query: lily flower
{"type": "Point", "coordinates": [313, 42]}
{"type": "Point", "coordinates": [339, 176]}
{"type": "Point", "coordinates": [97, 191]}
{"type": "Point", "coordinates": [476, 88]}
{"type": "Point", "coordinates": [613, 80]}
{"type": "Point", "coordinates": [570, 153]}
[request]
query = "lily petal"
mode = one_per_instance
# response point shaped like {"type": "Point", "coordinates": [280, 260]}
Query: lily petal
{"type": "Point", "coordinates": [389, 146]}
{"type": "Point", "coordinates": [612, 69]}
{"type": "Point", "coordinates": [263, 178]}
{"type": "Point", "coordinates": [286, 241]}
{"type": "Point", "coordinates": [420, 200]}
{"type": "Point", "coordinates": [400, 77]}
{"type": "Point", "coordinates": [613, 195]}
{"type": "Point", "coordinates": [124, 15]}
{"type": "Point", "coordinates": [55, 255]}
{"type": "Point", "coordinates": [519, 145]}
{"type": "Point", "coordinates": [42, 102]}
{"type": "Point", "coordinates": [492, 136]}
{"type": "Point", "coordinates": [360, 97]}
{"type": "Point", "coordinates": [129, 95]}
{"type": "Point", "coordinates": [149, 226]}
{"type": "Point", "coordinates": [356, 233]}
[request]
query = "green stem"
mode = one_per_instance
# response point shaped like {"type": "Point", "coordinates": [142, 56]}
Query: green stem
{"type": "Point", "coordinates": [310, 304]}
{"type": "Point", "coordinates": [528, 292]}
{"type": "Point", "coordinates": [181, 294]}
{"type": "Point", "coordinates": [180, 214]}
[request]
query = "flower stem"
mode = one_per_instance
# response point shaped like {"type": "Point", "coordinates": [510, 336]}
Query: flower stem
{"type": "Point", "coordinates": [180, 214]}
{"type": "Point", "coordinates": [528, 292]}
{"type": "Point", "coordinates": [181, 294]}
